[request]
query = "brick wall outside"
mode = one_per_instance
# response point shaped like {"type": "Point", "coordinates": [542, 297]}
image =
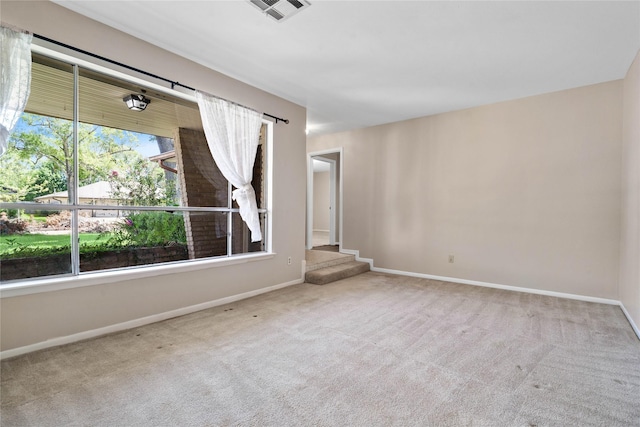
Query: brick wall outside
{"type": "Point", "coordinates": [50, 265]}
{"type": "Point", "coordinates": [202, 184]}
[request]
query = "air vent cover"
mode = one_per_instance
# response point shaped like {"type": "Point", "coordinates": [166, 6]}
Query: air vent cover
{"type": "Point", "coordinates": [280, 10]}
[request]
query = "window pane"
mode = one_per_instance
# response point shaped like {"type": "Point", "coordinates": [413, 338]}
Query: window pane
{"type": "Point", "coordinates": [125, 157]}
{"type": "Point", "coordinates": [118, 239]}
{"type": "Point", "coordinates": [206, 234]}
{"type": "Point", "coordinates": [259, 168]}
{"type": "Point", "coordinates": [34, 243]}
{"type": "Point", "coordinates": [203, 183]}
{"type": "Point", "coordinates": [38, 164]}
{"type": "Point", "coordinates": [242, 236]}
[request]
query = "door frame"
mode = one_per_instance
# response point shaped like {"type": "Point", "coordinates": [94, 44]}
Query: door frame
{"type": "Point", "coordinates": [335, 216]}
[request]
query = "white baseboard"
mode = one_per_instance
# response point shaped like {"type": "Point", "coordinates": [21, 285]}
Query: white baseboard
{"type": "Point", "coordinates": [139, 322]}
{"type": "Point", "coordinates": [633, 324]}
{"type": "Point", "coordinates": [498, 286]}
{"type": "Point", "coordinates": [357, 255]}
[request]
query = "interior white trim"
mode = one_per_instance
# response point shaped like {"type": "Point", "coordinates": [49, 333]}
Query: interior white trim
{"type": "Point", "coordinates": [332, 202]}
{"type": "Point", "coordinates": [340, 198]}
{"type": "Point", "coordinates": [356, 253]}
{"type": "Point", "coordinates": [139, 322]}
{"type": "Point", "coordinates": [332, 196]}
{"type": "Point", "coordinates": [498, 286]}
{"type": "Point", "coordinates": [628, 316]}
{"type": "Point", "coordinates": [309, 223]}
{"type": "Point", "coordinates": [309, 226]}
{"type": "Point", "coordinates": [268, 178]}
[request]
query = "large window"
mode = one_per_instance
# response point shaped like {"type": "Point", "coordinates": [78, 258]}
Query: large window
{"type": "Point", "coordinates": [88, 184]}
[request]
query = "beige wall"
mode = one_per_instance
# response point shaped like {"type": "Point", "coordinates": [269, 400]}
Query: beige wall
{"type": "Point", "coordinates": [630, 235]}
{"type": "Point", "coordinates": [523, 193]}
{"type": "Point", "coordinates": [35, 318]}
{"type": "Point", "coordinates": [321, 201]}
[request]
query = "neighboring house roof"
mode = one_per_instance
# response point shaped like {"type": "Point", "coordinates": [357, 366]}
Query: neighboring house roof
{"type": "Point", "coordinates": [169, 156]}
{"type": "Point", "coordinates": [97, 190]}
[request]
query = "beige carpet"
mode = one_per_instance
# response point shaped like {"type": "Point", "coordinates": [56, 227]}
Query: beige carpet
{"type": "Point", "coordinates": [373, 350]}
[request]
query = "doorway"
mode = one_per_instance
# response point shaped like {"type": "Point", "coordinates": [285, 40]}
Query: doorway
{"type": "Point", "coordinates": [324, 198]}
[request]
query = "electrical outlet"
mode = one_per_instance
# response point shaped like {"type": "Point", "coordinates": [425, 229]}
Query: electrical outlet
{"type": "Point", "coordinates": [451, 259]}
{"type": "Point", "coordinates": [289, 261]}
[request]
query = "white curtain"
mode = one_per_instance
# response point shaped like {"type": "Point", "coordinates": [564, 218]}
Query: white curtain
{"type": "Point", "coordinates": [233, 133]}
{"type": "Point", "coordinates": [15, 80]}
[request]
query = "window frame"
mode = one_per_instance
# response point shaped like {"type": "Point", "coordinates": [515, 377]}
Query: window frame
{"type": "Point", "coordinates": [76, 278]}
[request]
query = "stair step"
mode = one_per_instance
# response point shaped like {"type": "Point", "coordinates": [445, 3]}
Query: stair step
{"type": "Point", "coordinates": [333, 273]}
{"type": "Point", "coordinates": [319, 259]}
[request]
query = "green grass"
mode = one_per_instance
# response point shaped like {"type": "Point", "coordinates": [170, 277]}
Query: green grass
{"type": "Point", "coordinates": [142, 230]}
{"type": "Point", "coordinates": [46, 242]}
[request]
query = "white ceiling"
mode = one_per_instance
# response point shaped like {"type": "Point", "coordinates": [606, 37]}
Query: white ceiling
{"type": "Point", "coordinates": [361, 63]}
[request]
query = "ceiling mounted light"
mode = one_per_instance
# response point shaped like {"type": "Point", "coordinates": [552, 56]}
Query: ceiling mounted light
{"type": "Point", "coordinates": [280, 10]}
{"type": "Point", "coordinates": [136, 102]}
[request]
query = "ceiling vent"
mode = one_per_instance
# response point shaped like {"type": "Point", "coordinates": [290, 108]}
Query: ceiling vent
{"type": "Point", "coordinates": [280, 10]}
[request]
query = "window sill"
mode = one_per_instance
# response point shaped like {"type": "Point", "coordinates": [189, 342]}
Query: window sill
{"type": "Point", "coordinates": [35, 286]}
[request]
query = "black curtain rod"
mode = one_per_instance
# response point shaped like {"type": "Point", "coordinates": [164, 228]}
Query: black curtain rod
{"type": "Point", "coordinates": [137, 70]}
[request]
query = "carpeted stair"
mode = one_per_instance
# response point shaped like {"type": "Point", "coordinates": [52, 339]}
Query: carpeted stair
{"type": "Point", "coordinates": [342, 269]}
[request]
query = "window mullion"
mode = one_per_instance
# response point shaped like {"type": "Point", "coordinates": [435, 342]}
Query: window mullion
{"type": "Point", "coordinates": [73, 192]}
{"type": "Point", "coordinates": [229, 220]}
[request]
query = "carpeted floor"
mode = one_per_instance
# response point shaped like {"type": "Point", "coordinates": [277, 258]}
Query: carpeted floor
{"type": "Point", "coordinates": [373, 350]}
